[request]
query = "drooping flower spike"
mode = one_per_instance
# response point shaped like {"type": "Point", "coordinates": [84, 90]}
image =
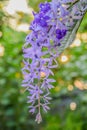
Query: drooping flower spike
{"type": "Point", "coordinates": [43, 45]}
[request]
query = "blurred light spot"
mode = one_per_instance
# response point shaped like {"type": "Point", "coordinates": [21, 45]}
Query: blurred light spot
{"type": "Point", "coordinates": [13, 23]}
{"type": "Point", "coordinates": [85, 86]}
{"type": "Point", "coordinates": [1, 50]}
{"type": "Point", "coordinates": [60, 19]}
{"type": "Point", "coordinates": [76, 43]}
{"type": "Point", "coordinates": [84, 36]}
{"type": "Point", "coordinates": [64, 58]}
{"type": "Point", "coordinates": [78, 36]}
{"type": "Point", "coordinates": [79, 84]}
{"type": "Point", "coordinates": [73, 106]}
{"type": "Point", "coordinates": [1, 5]}
{"type": "Point", "coordinates": [23, 27]}
{"type": "Point", "coordinates": [22, 64]}
{"type": "Point", "coordinates": [17, 6]}
{"type": "Point", "coordinates": [17, 75]}
{"type": "Point", "coordinates": [57, 89]}
{"type": "Point", "coordinates": [70, 88]}
{"type": "Point", "coordinates": [42, 74]}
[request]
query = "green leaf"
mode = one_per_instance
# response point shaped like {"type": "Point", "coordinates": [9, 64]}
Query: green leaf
{"type": "Point", "coordinates": [69, 38]}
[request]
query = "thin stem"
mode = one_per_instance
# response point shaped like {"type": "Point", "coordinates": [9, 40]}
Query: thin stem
{"type": "Point", "coordinates": [38, 99]}
{"type": "Point", "coordinates": [38, 116]}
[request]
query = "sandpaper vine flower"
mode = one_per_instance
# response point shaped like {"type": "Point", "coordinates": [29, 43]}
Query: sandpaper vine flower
{"type": "Point", "coordinates": [48, 29]}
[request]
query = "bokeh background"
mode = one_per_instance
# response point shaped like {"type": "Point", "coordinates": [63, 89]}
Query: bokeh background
{"type": "Point", "coordinates": [69, 97]}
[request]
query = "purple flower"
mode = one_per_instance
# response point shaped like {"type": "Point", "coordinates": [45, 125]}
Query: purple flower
{"type": "Point", "coordinates": [38, 118]}
{"type": "Point", "coordinates": [45, 7]}
{"type": "Point", "coordinates": [41, 20]}
{"type": "Point", "coordinates": [41, 49]}
{"type": "Point", "coordinates": [60, 33]}
{"type": "Point", "coordinates": [34, 91]}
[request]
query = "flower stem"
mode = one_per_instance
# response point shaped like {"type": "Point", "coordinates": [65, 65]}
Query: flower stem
{"type": "Point", "coordinates": [38, 116]}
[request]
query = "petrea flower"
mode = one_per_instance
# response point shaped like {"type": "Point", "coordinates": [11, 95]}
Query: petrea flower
{"type": "Point", "coordinates": [45, 7]}
{"type": "Point", "coordinates": [60, 33]}
{"type": "Point", "coordinates": [41, 20]}
{"type": "Point", "coordinates": [48, 30]}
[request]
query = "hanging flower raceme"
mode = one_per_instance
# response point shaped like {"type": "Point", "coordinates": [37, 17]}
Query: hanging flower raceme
{"type": "Point", "coordinates": [48, 29]}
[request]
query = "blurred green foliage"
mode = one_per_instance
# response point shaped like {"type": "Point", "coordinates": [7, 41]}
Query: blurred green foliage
{"type": "Point", "coordinates": [70, 75]}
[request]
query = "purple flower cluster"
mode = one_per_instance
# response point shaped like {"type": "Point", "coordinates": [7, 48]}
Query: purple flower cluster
{"type": "Point", "coordinates": [45, 7]}
{"type": "Point", "coordinates": [40, 52]}
{"type": "Point", "coordinates": [40, 19]}
{"type": "Point", "coordinates": [60, 33]}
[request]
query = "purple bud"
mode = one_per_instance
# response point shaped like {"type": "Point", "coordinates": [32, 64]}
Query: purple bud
{"type": "Point", "coordinates": [44, 7]}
